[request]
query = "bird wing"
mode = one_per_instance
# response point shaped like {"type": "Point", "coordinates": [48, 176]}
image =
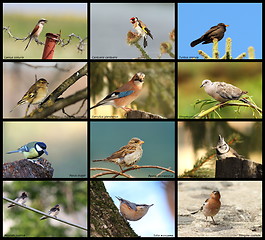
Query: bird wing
{"type": "Point", "coordinates": [214, 28]}
{"type": "Point", "coordinates": [29, 95]}
{"type": "Point", "coordinates": [115, 95]}
{"type": "Point", "coordinates": [228, 91]}
{"type": "Point", "coordinates": [34, 30]}
{"type": "Point", "coordinates": [122, 152]}
{"type": "Point", "coordinates": [144, 27]}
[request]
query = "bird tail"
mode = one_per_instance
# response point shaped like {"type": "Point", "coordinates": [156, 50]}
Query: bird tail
{"type": "Point", "coordinates": [151, 36]}
{"type": "Point", "coordinates": [14, 108]}
{"type": "Point", "coordinates": [244, 100]}
{"type": "Point", "coordinates": [195, 212]}
{"type": "Point", "coordinates": [98, 160]}
{"type": "Point", "coordinates": [145, 42]}
{"type": "Point", "coordinates": [195, 42]}
{"type": "Point", "coordinates": [13, 152]}
{"type": "Point", "coordinates": [28, 44]}
{"type": "Point", "coordinates": [42, 218]}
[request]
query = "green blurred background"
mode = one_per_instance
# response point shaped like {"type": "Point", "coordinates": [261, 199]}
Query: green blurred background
{"type": "Point", "coordinates": [66, 144]}
{"type": "Point", "coordinates": [157, 97]}
{"type": "Point", "coordinates": [245, 75]}
{"type": "Point", "coordinates": [64, 17]}
{"type": "Point", "coordinates": [43, 195]}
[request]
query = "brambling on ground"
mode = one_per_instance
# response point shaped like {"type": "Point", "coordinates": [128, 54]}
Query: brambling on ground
{"type": "Point", "coordinates": [211, 206]}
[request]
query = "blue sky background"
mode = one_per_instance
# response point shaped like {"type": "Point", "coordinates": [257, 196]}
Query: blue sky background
{"type": "Point", "coordinates": [158, 219]}
{"type": "Point", "coordinates": [244, 20]}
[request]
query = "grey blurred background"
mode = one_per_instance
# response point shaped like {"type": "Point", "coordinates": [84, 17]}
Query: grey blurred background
{"type": "Point", "coordinates": [110, 23]}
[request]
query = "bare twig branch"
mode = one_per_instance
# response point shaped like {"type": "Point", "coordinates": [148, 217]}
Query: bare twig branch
{"type": "Point", "coordinates": [110, 171]}
{"type": "Point", "coordinates": [53, 104]}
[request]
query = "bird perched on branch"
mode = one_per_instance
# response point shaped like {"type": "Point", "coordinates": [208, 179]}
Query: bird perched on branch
{"type": "Point", "coordinates": [128, 155]}
{"type": "Point", "coordinates": [22, 199]}
{"type": "Point", "coordinates": [211, 206]}
{"type": "Point", "coordinates": [141, 28]}
{"type": "Point", "coordinates": [36, 31]}
{"type": "Point", "coordinates": [214, 32]}
{"type": "Point", "coordinates": [53, 212]}
{"type": "Point", "coordinates": [32, 150]}
{"type": "Point", "coordinates": [222, 91]}
{"type": "Point", "coordinates": [125, 94]}
{"type": "Point", "coordinates": [35, 95]}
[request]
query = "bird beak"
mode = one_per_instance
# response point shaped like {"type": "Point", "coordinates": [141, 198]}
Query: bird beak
{"type": "Point", "coordinates": [201, 86]}
{"type": "Point", "coordinates": [227, 25]}
{"type": "Point", "coordinates": [141, 142]}
{"type": "Point", "coordinates": [44, 150]}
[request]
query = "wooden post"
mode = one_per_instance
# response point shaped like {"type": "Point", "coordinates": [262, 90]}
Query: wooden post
{"type": "Point", "coordinates": [237, 168]}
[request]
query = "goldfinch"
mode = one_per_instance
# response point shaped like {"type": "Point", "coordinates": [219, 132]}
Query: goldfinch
{"type": "Point", "coordinates": [141, 28]}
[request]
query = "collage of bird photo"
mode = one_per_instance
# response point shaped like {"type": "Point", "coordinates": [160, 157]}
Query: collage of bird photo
{"type": "Point", "coordinates": [45, 124]}
{"type": "Point", "coordinates": [157, 106]}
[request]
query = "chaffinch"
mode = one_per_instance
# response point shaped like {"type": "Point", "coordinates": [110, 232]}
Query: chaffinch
{"type": "Point", "coordinates": [35, 95]}
{"type": "Point", "coordinates": [211, 206]}
{"type": "Point", "coordinates": [125, 94]}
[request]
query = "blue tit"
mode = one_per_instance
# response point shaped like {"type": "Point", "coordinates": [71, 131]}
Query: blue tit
{"type": "Point", "coordinates": [32, 150]}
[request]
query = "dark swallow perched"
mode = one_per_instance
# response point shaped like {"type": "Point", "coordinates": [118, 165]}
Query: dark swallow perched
{"type": "Point", "coordinates": [22, 199]}
{"type": "Point", "coordinates": [53, 212]}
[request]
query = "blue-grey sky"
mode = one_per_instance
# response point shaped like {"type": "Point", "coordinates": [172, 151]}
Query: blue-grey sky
{"type": "Point", "coordinates": [244, 20]}
{"type": "Point", "coordinates": [110, 23]}
{"type": "Point", "coordinates": [158, 220]}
